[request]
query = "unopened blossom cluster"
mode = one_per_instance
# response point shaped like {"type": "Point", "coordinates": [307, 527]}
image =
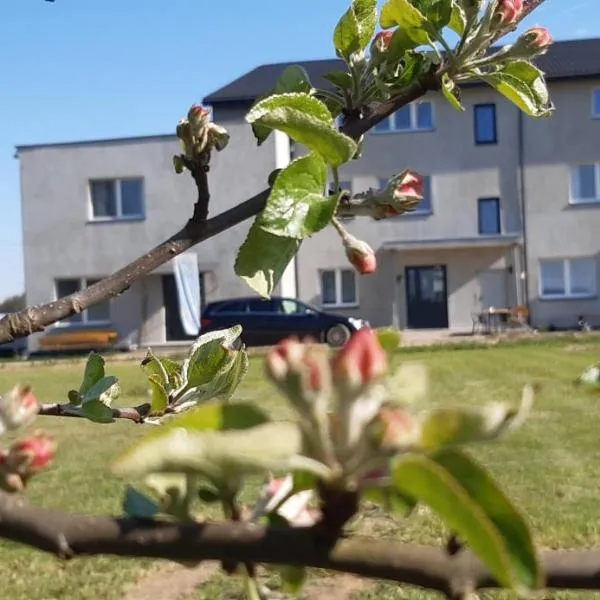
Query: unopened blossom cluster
{"type": "Point", "coordinates": [345, 412]}
{"type": "Point", "coordinates": [29, 455]}
{"type": "Point", "coordinates": [533, 42]}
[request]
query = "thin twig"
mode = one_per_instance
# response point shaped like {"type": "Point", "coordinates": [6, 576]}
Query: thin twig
{"type": "Point", "coordinates": [137, 414]}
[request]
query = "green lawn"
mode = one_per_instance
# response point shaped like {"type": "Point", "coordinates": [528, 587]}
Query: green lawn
{"type": "Point", "coordinates": [551, 467]}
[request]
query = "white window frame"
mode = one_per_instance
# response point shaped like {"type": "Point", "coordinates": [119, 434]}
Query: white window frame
{"type": "Point", "coordinates": [338, 288]}
{"type": "Point", "coordinates": [413, 120]}
{"type": "Point", "coordinates": [595, 92]}
{"type": "Point", "coordinates": [419, 211]}
{"type": "Point", "coordinates": [568, 295]}
{"type": "Point", "coordinates": [116, 181]}
{"type": "Point", "coordinates": [83, 283]}
{"type": "Point", "coordinates": [574, 199]}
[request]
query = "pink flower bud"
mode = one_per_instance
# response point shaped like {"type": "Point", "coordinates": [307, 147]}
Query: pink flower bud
{"type": "Point", "coordinates": [508, 11]}
{"type": "Point", "coordinates": [31, 454]}
{"type": "Point", "coordinates": [410, 186]}
{"type": "Point", "coordinates": [397, 428]}
{"type": "Point", "coordinates": [18, 408]}
{"type": "Point", "coordinates": [361, 361]}
{"type": "Point", "coordinates": [538, 37]}
{"type": "Point", "coordinates": [198, 112]}
{"type": "Point", "coordinates": [360, 255]}
{"type": "Point", "coordinates": [382, 41]}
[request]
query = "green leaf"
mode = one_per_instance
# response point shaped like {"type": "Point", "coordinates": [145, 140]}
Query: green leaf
{"type": "Point", "coordinates": [451, 92]}
{"type": "Point", "coordinates": [263, 258]}
{"type": "Point", "coordinates": [217, 455]}
{"type": "Point", "coordinates": [346, 37]}
{"type": "Point", "coordinates": [402, 13]}
{"type": "Point", "coordinates": [203, 364]}
{"type": "Point", "coordinates": [251, 587]}
{"type": "Point", "coordinates": [308, 121]}
{"type": "Point", "coordinates": [94, 371]}
{"type": "Point", "coordinates": [292, 578]}
{"type": "Point", "coordinates": [458, 19]}
{"type": "Point", "coordinates": [293, 79]}
{"type": "Point", "coordinates": [447, 426]}
{"type": "Point", "coordinates": [296, 207]}
{"type": "Point", "coordinates": [473, 506]}
{"type": "Point", "coordinates": [138, 505]}
{"type": "Point", "coordinates": [97, 411]}
{"type": "Point", "coordinates": [391, 499]}
{"type": "Point", "coordinates": [437, 13]}
{"type": "Point", "coordinates": [366, 15]}
{"type": "Point", "coordinates": [174, 492]}
{"type": "Point", "coordinates": [524, 85]}
{"type": "Point", "coordinates": [160, 398]}
{"type": "Point", "coordinates": [341, 79]}
{"type": "Point", "coordinates": [389, 339]}
{"type": "Point", "coordinates": [151, 365]}
{"type": "Point", "coordinates": [98, 389]}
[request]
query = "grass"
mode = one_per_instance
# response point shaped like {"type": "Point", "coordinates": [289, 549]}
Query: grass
{"type": "Point", "coordinates": [551, 467]}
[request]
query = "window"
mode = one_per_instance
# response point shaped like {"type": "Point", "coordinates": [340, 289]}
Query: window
{"type": "Point", "coordinates": [236, 306]}
{"type": "Point", "coordinates": [338, 287]}
{"type": "Point", "coordinates": [484, 121]}
{"type": "Point", "coordinates": [585, 184]}
{"type": "Point", "coordinates": [99, 313]}
{"type": "Point", "coordinates": [488, 210]}
{"type": "Point", "coordinates": [568, 278]}
{"type": "Point", "coordinates": [262, 305]}
{"type": "Point", "coordinates": [424, 207]}
{"type": "Point", "coordinates": [291, 307]}
{"type": "Point", "coordinates": [596, 103]}
{"type": "Point", "coordinates": [412, 117]}
{"type": "Point", "coordinates": [117, 199]}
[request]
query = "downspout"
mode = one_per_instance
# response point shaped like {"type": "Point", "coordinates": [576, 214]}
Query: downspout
{"type": "Point", "coordinates": [523, 207]}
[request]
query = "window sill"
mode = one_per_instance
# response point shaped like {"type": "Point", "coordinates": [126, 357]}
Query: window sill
{"type": "Point", "coordinates": [394, 131]}
{"type": "Point", "coordinates": [328, 306]}
{"type": "Point", "coordinates": [100, 220]}
{"type": "Point", "coordinates": [487, 143]}
{"type": "Point", "coordinates": [575, 203]}
{"type": "Point", "coordinates": [568, 298]}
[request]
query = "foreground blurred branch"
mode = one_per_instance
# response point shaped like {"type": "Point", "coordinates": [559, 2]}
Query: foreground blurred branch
{"type": "Point", "coordinates": [137, 414]}
{"type": "Point", "coordinates": [67, 536]}
{"type": "Point", "coordinates": [198, 228]}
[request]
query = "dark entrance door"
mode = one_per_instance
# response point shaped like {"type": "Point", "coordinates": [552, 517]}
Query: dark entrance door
{"type": "Point", "coordinates": [426, 297]}
{"type": "Point", "coordinates": [174, 328]}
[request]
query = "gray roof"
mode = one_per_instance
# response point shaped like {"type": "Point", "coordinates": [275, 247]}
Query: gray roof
{"type": "Point", "coordinates": [564, 60]}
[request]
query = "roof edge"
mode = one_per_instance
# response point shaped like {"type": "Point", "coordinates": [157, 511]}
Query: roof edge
{"type": "Point", "coordinates": [98, 142]}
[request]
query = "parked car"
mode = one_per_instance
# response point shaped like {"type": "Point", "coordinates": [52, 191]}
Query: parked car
{"type": "Point", "coordinates": [16, 348]}
{"type": "Point", "coordinates": [267, 322]}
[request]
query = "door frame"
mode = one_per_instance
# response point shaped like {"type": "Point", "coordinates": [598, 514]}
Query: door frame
{"type": "Point", "coordinates": [418, 267]}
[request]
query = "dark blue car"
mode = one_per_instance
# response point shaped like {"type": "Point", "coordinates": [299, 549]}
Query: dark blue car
{"type": "Point", "coordinates": [267, 322]}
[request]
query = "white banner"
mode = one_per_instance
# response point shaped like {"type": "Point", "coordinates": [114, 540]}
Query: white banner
{"type": "Point", "coordinates": [187, 279]}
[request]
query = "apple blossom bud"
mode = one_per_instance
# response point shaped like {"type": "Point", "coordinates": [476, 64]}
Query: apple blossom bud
{"type": "Point", "coordinates": [31, 454]}
{"type": "Point", "coordinates": [360, 254]}
{"type": "Point", "coordinates": [402, 194]}
{"type": "Point", "coordinates": [18, 408]}
{"type": "Point", "coordinates": [218, 136]}
{"type": "Point", "coordinates": [394, 429]}
{"type": "Point", "coordinates": [382, 42]}
{"type": "Point", "coordinates": [507, 12]}
{"type": "Point", "coordinates": [198, 113]}
{"type": "Point", "coordinates": [361, 361]}
{"type": "Point", "coordinates": [539, 38]}
{"type": "Point", "coordinates": [410, 186]}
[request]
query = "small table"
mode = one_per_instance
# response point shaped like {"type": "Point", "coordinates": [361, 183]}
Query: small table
{"type": "Point", "coordinates": [494, 319]}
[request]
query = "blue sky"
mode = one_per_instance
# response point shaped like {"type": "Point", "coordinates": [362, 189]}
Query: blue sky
{"type": "Point", "coordinates": [84, 69]}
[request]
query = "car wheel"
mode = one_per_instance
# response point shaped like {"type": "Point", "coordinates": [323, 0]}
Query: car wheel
{"type": "Point", "coordinates": [337, 335]}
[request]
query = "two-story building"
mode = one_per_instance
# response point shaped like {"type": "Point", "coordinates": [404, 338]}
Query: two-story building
{"type": "Point", "coordinates": [511, 214]}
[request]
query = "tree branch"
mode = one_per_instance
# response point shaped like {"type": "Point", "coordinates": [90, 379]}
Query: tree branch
{"type": "Point", "coordinates": [137, 414]}
{"type": "Point", "coordinates": [68, 535]}
{"type": "Point", "coordinates": [36, 318]}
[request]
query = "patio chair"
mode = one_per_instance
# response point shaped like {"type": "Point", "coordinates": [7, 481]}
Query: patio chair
{"type": "Point", "coordinates": [478, 323]}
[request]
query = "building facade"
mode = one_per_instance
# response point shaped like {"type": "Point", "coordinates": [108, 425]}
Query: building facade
{"type": "Point", "coordinates": [511, 214]}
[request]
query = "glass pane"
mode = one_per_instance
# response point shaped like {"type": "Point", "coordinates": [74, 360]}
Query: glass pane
{"type": "Point", "coordinates": [260, 305]}
{"type": "Point", "coordinates": [552, 275]}
{"type": "Point", "coordinates": [424, 115]}
{"type": "Point", "coordinates": [402, 118]}
{"type": "Point", "coordinates": [489, 216]}
{"type": "Point", "coordinates": [596, 102]}
{"type": "Point", "coordinates": [485, 124]}
{"type": "Point", "coordinates": [291, 307]}
{"type": "Point", "coordinates": [65, 287]}
{"type": "Point", "coordinates": [104, 199]}
{"type": "Point", "coordinates": [385, 125]}
{"type": "Point", "coordinates": [584, 182]}
{"type": "Point", "coordinates": [328, 287]}
{"type": "Point", "coordinates": [348, 286]}
{"type": "Point", "coordinates": [132, 204]}
{"type": "Point", "coordinates": [98, 312]}
{"type": "Point", "coordinates": [425, 205]}
{"type": "Point", "coordinates": [232, 307]}
{"type": "Point", "coordinates": [583, 276]}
